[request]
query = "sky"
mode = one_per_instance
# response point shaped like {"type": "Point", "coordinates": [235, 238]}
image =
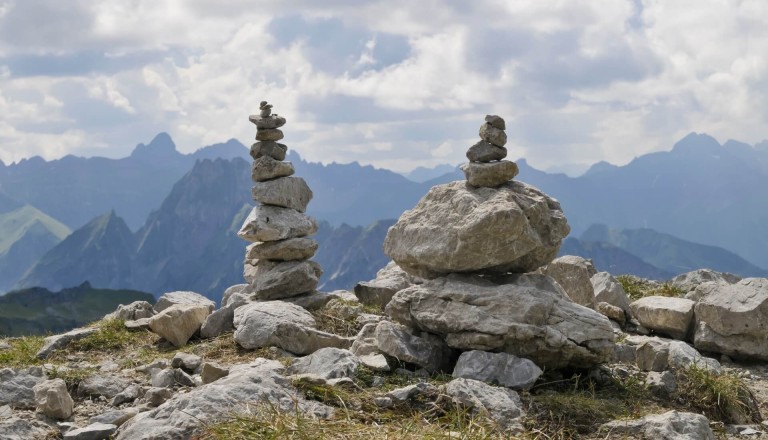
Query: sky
{"type": "Point", "coordinates": [392, 83]}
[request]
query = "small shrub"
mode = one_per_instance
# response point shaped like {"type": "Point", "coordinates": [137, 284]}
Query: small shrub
{"type": "Point", "coordinates": [724, 397]}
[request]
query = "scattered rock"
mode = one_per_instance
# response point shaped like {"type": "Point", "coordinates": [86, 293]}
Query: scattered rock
{"type": "Point", "coordinates": [139, 324]}
{"type": "Point", "coordinates": [16, 386]}
{"type": "Point", "coordinates": [425, 350]}
{"type": "Point", "coordinates": [501, 405]}
{"type": "Point", "coordinates": [53, 399]}
{"type": "Point", "coordinates": [179, 322]}
{"type": "Point", "coordinates": [670, 316]}
{"type": "Point", "coordinates": [15, 428]}
{"type": "Point", "coordinates": [115, 417]}
{"type": "Point", "coordinates": [608, 289]}
{"type": "Point", "coordinates": [497, 368]}
{"type": "Point", "coordinates": [574, 275]}
{"type": "Point", "coordinates": [219, 322]}
{"type": "Point", "coordinates": [133, 311]}
{"type": "Point", "coordinates": [672, 425]}
{"type": "Point", "coordinates": [156, 396]}
{"type": "Point", "coordinates": [328, 363]}
{"type": "Point", "coordinates": [95, 431]}
{"type": "Point", "coordinates": [183, 298]}
{"type": "Point", "coordinates": [212, 372]}
{"type": "Point", "coordinates": [108, 386]}
{"type": "Point", "coordinates": [131, 393]}
{"type": "Point", "coordinates": [663, 383]}
{"type": "Point", "coordinates": [55, 342]}
{"type": "Point", "coordinates": [186, 361]}
{"type": "Point", "coordinates": [611, 312]}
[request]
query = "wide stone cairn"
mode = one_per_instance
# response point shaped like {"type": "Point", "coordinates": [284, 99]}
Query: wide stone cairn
{"type": "Point", "coordinates": [277, 262]}
{"type": "Point", "coordinates": [477, 243]}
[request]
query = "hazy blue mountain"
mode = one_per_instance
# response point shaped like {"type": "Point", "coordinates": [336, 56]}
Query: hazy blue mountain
{"type": "Point", "coordinates": [609, 258]}
{"type": "Point", "coordinates": [99, 252]}
{"type": "Point", "coordinates": [7, 204]}
{"type": "Point", "coordinates": [37, 311]}
{"type": "Point", "coordinates": [671, 254]}
{"type": "Point", "coordinates": [423, 174]}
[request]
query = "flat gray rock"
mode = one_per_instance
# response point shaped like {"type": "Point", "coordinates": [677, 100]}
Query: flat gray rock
{"type": "Point", "coordinates": [108, 385]}
{"type": "Point", "coordinates": [484, 151]}
{"type": "Point", "coordinates": [283, 250]}
{"type": "Point", "coordinates": [666, 315]}
{"type": "Point", "coordinates": [16, 386]}
{"type": "Point", "coordinates": [328, 363]}
{"type": "Point", "coordinates": [672, 425]}
{"type": "Point", "coordinates": [574, 275]}
{"type": "Point", "coordinates": [266, 168]}
{"type": "Point", "coordinates": [491, 134]}
{"type": "Point", "coordinates": [275, 279]}
{"type": "Point", "coordinates": [527, 315]}
{"type": "Point", "coordinates": [500, 405]}
{"type": "Point", "coordinates": [186, 415]}
{"type": "Point", "coordinates": [424, 350]}
{"type": "Point", "coordinates": [95, 431]}
{"type": "Point", "coordinates": [288, 192]}
{"type": "Point", "coordinates": [268, 148]}
{"type": "Point", "coordinates": [458, 228]}
{"type": "Point", "coordinates": [55, 342]}
{"type": "Point", "coordinates": [272, 223]}
{"type": "Point", "coordinates": [389, 280]}
{"type": "Point", "coordinates": [269, 134]}
{"type": "Point", "coordinates": [497, 368]}
{"type": "Point", "coordinates": [115, 417]}
{"type": "Point", "coordinates": [182, 297]}
{"type": "Point", "coordinates": [489, 175]}
{"type": "Point", "coordinates": [272, 121]}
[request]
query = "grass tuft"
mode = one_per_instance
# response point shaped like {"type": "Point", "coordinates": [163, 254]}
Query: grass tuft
{"type": "Point", "coordinates": [637, 288]}
{"type": "Point", "coordinates": [721, 397]}
{"type": "Point", "coordinates": [22, 352]}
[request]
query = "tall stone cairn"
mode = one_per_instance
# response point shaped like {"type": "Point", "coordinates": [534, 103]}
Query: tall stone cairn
{"type": "Point", "coordinates": [486, 167]}
{"type": "Point", "coordinates": [277, 262]}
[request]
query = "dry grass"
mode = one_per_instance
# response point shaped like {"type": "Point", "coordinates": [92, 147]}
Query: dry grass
{"type": "Point", "coordinates": [22, 352]}
{"type": "Point", "coordinates": [724, 397]}
{"type": "Point", "coordinates": [637, 288]}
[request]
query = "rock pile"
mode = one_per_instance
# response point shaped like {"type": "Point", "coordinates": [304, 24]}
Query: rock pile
{"type": "Point", "coordinates": [486, 167]}
{"type": "Point", "coordinates": [277, 263]}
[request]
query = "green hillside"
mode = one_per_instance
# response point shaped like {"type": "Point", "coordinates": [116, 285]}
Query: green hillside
{"type": "Point", "coordinates": [16, 223]}
{"type": "Point", "coordinates": [37, 311]}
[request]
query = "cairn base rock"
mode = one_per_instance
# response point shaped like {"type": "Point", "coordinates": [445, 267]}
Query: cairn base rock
{"type": "Point", "coordinates": [491, 174]}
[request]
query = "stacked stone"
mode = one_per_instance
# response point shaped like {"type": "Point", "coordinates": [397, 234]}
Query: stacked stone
{"type": "Point", "coordinates": [277, 262]}
{"type": "Point", "coordinates": [486, 167]}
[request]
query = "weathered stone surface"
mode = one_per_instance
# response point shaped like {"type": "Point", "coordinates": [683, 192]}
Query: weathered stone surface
{"type": "Point", "coordinates": [156, 396]}
{"type": "Point", "coordinates": [234, 294]}
{"type": "Point", "coordinates": [212, 372]}
{"type": "Point", "coordinates": [129, 394]}
{"type": "Point", "coordinates": [266, 168]}
{"type": "Point", "coordinates": [268, 148]}
{"type": "Point", "coordinates": [493, 135]}
{"type": "Point", "coordinates": [5, 412]}
{"type": "Point", "coordinates": [16, 428]}
{"type": "Point", "coordinates": [311, 300]}
{"type": "Point", "coordinates": [95, 431]}
{"type": "Point", "coordinates": [102, 385]}
{"type": "Point", "coordinates": [55, 342]}
{"type": "Point", "coordinates": [496, 121]}
{"type": "Point", "coordinates": [497, 368]}
{"type": "Point", "coordinates": [458, 228]}
{"type": "Point", "coordinates": [366, 348]}
{"type": "Point", "coordinates": [115, 417]}
{"type": "Point", "coordinates": [484, 151]}
{"type": "Point", "coordinates": [275, 280]}
{"type": "Point", "coordinates": [608, 289]}
{"type": "Point", "coordinates": [574, 275]}
{"type": "Point", "coordinates": [379, 291]}
{"type": "Point", "coordinates": [269, 134]}
{"type": "Point", "coordinates": [179, 322]}
{"type": "Point", "coordinates": [186, 361]}
{"type": "Point", "coordinates": [663, 383]}
{"type": "Point", "coordinates": [328, 363]}
{"type": "Point", "coordinates": [131, 312]}
{"type": "Point", "coordinates": [272, 121]}
{"type": "Point", "coordinates": [272, 223]}
{"type": "Point", "coordinates": [53, 399]}
{"type": "Point", "coordinates": [489, 175]}
{"type": "Point", "coordinates": [424, 350]}
{"type": "Point", "coordinates": [527, 315]}
{"type": "Point", "coordinates": [672, 425]}
{"type": "Point", "coordinates": [659, 354]}
{"type": "Point", "coordinates": [186, 415]}
{"type": "Point", "coordinates": [688, 281]}
{"type": "Point", "coordinates": [733, 319]}
{"type": "Point", "coordinates": [288, 192]}
{"type": "Point", "coordinates": [16, 386]}
{"type": "Point", "coordinates": [183, 297]}
{"type": "Point", "coordinates": [284, 325]}
{"type": "Point", "coordinates": [139, 324]}
{"type": "Point", "coordinates": [282, 250]}
{"type": "Point", "coordinates": [501, 405]}
{"type": "Point", "coordinates": [219, 322]}
{"type": "Point", "coordinates": [611, 312]}
{"type": "Point", "coordinates": [666, 315]}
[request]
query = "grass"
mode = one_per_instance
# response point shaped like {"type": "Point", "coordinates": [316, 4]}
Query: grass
{"type": "Point", "coordinates": [340, 317]}
{"type": "Point", "coordinates": [22, 352]}
{"type": "Point", "coordinates": [637, 288]}
{"type": "Point", "coordinates": [724, 397]}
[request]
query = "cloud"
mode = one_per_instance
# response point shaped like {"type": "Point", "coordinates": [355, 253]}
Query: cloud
{"type": "Point", "coordinates": [390, 83]}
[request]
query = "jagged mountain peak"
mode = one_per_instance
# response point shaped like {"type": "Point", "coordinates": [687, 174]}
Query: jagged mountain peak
{"type": "Point", "coordinates": [697, 143]}
{"type": "Point", "coordinates": [161, 146]}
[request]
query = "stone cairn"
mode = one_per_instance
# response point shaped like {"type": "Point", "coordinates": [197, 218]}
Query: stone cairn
{"type": "Point", "coordinates": [486, 167]}
{"type": "Point", "coordinates": [277, 262]}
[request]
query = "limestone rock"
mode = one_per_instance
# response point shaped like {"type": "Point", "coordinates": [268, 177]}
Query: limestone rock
{"type": "Point", "coordinates": [266, 168]}
{"type": "Point", "coordinates": [107, 386]}
{"type": "Point", "coordinates": [424, 350]}
{"type": "Point", "coordinates": [95, 431]}
{"type": "Point", "coordinates": [389, 280]}
{"type": "Point", "coordinates": [53, 399]}
{"type": "Point", "coordinates": [183, 297]}
{"type": "Point", "coordinates": [179, 322]}
{"type": "Point", "coordinates": [274, 280]}
{"type": "Point", "coordinates": [186, 415]}
{"type": "Point", "coordinates": [272, 121]}
{"type": "Point", "coordinates": [186, 361]}
{"type": "Point", "coordinates": [268, 148]}
{"type": "Point", "coordinates": [574, 275]}
{"type": "Point", "coordinates": [272, 223]}
{"type": "Point", "coordinates": [670, 316]}
{"type": "Point", "coordinates": [213, 372]}
{"type": "Point", "coordinates": [115, 417]}
{"type": "Point", "coordinates": [611, 312]}
{"type": "Point", "coordinates": [234, 294]}
{"type": "Point", "coordinates": [527, 315]}
{"type": "Point", "coordinates": [484, 151]}
{"type": "Point", "coordinates": [662, 383]}
{"type": "Point", "coordinates": [608, 289]}
{"type": "Point", "coordinates": [491, 134]}
{"type": "Point", "coordinates": [284, 325]}
{"type": "Point", "coordinates": [219, 322]}
{"type": "Point", "coordinates": [688, 281]}
{"type": "Point", "coordinates": [496, 121]}
{"type": "Point", "coordinates": [131, 312]}
{"type": "Point", "coordinates": [672, 425]}
{"type": "Point", "coordinates": [55, 342]}
{"type": "Point", "coordinates": [17, 386]}
{"type": "Point", "coordinates": [497, 368]}
{"type": "Point", "coordinates": [131, 393]}
{"type": "Point", "coordinates": [328, 363]}
{"type": "Point", "coordinates": [489, 175]}
{"type": "Point", "coordinates": [501, 405]}
{"type": "Point", "coordinates": [283, 250]}
{"type": "Point", "coordinates": [659, 354]}
{"type": "Point", "coordinates": [16, 428]}
{"type": "Point", "coordinates": [156, 396]}
{"type": "Point", "coordinates": [458, 228]}
{"type": "Point", "coordinates": [269, 134]}
{"type": "Point", "coordinates": [288, 192]}
{"type": "Point", "coordinates": [366, 348]}
{"type": "Point", "coordinates": [733, 319]}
